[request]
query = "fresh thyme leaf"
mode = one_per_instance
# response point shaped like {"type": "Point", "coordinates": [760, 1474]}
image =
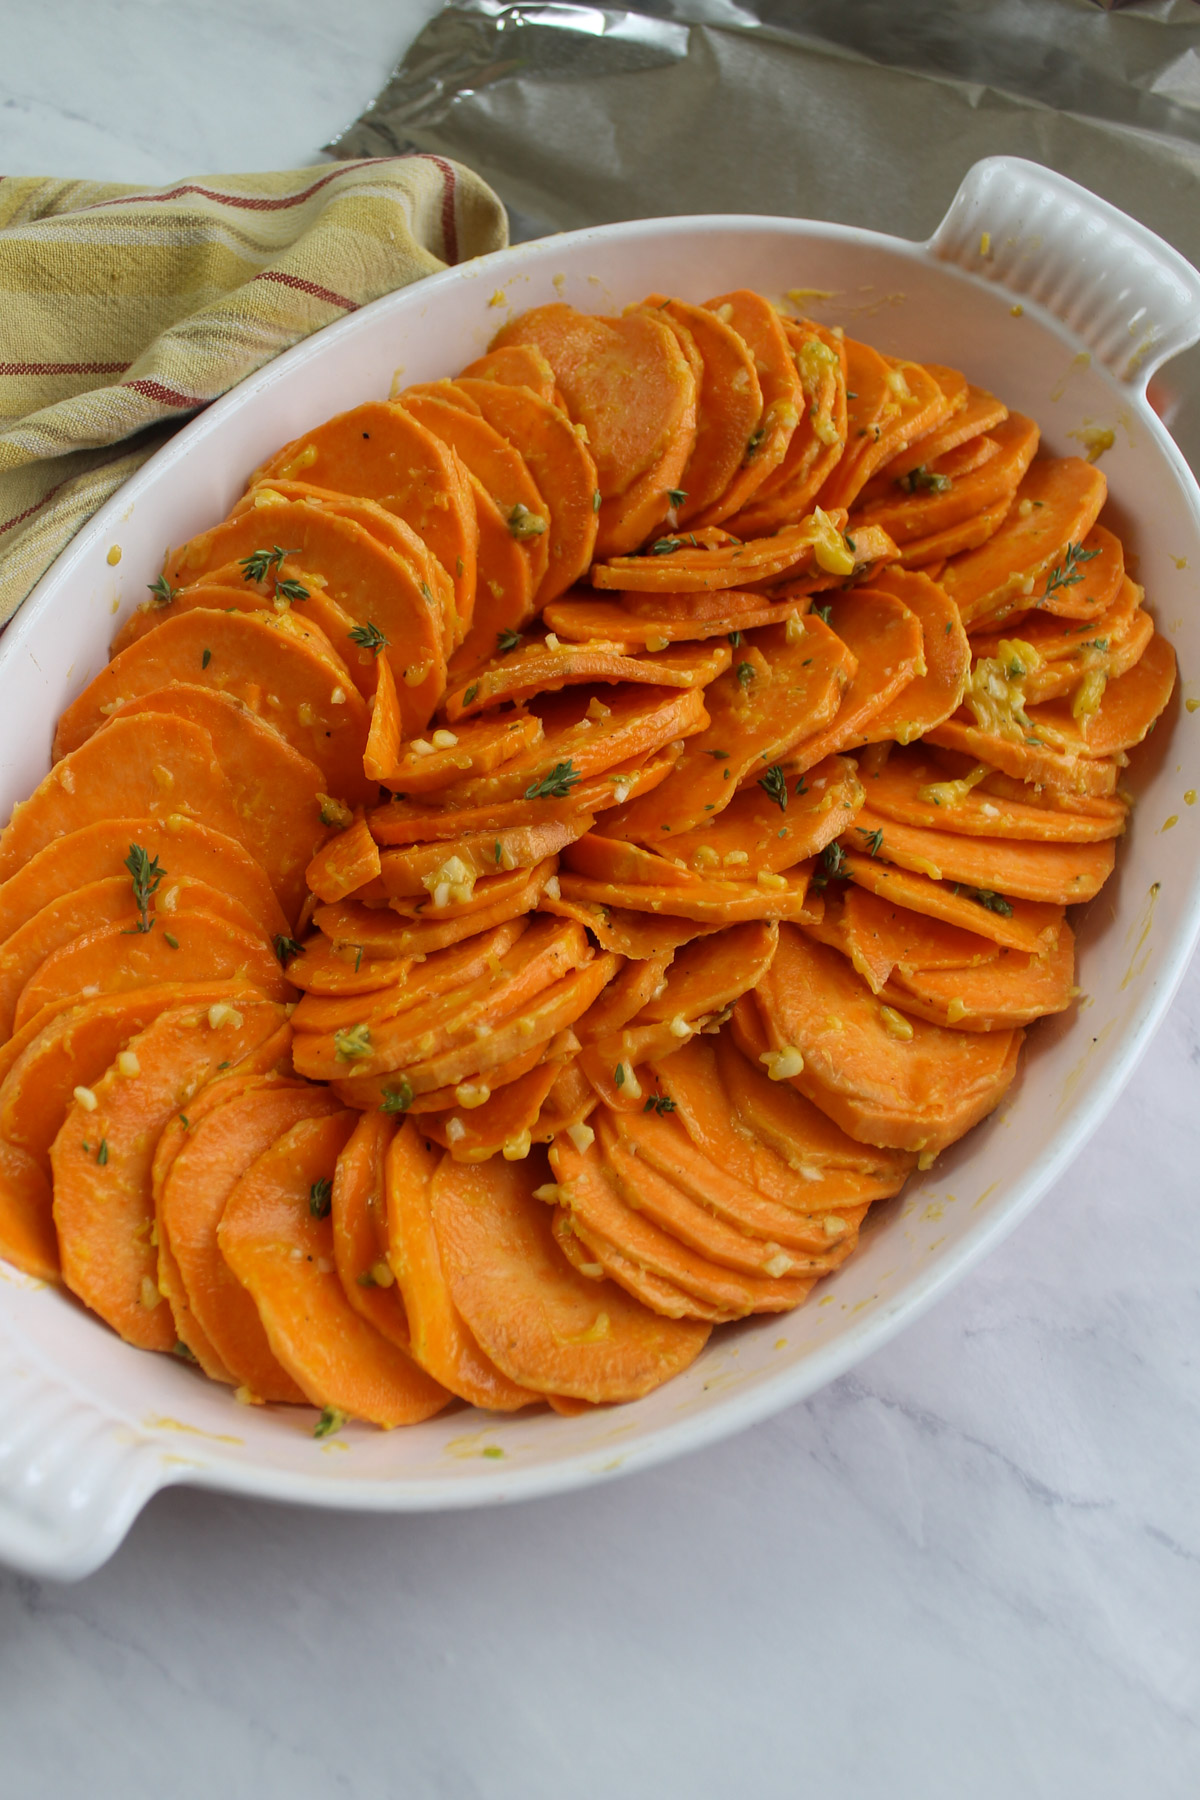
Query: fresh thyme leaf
{"type": "Point", "coordinates": [290, 590]}
{"type": "Point", "coordinates": [320, 1198]}
{"type": "Point", "coordinates": [171, 941]}
{"type": "Point", "coordinates": [1067, 573]}
{"type": "Point", "coordinates": [498, 852]}
{"type": "Point", "coordinates": [352, 1044]}
{"type": "Point", "coordinates": [286, 948]}
{"type": "Point", "coordinates": [334, 812]}
{"type": "Point", "coordinates": [664, 546]}
{"type": "Point", "coordinates": [872, 840]}
{"type": "Point", "coordinates": [147, 875]}
{"type": "Point", "coordinates": [470, 693]}
{"type": "Point", "coordinates": [619, 1075]}
{"type": "Point", "coordinates": [677, 496]}
{"type": "Point", "coordinates": [368, 637]}
{"type": "Point", "coordinates": [180, 1349]}
{"type": "Point", "coordinates": [358, 956]}
{"type": "Point", "coordinates": [986, 898]}
{"type": "Point", "coordinates": [163, 593]}
{"type": "Point", "coordinates": [745, 674]}
{"type": "Point", "coordinates": [596, 500]}
{"type": "Point", "coordinates": [331, 1420]}
{"type": "Point", "coordinates": [102, 1152]}
{"type": "Point", "coordinates": [397, 1099]}
{"type": "Point", "coordinates": [735, 638]}
{"type": "Point", "coordinates": [205, 659]}
{"type": "Point", "coordinates": [258, 565]}
{"type": "Point", "coordinates": [823, 612]}
{"type": "Point", "coordinates": [801, 787]}
{"type": "Point", "coordinates": [720, 755]}
{"type": "Point", "coordinates": [554, 786]}
{"type": "Point", "coordinates": [774, 786]}
{"type": "Point", "coordinates": [659, 1103]}
{"type": "Point", "coordinates": [754, 443]}
{"type": "Point", "coordinates": [507, 640]}
{"type": "Point", "coordinates": [922, 480]}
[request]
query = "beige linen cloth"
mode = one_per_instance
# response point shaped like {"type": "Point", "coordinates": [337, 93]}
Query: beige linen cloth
{"type": "Point", "coordinates": [123, 310]}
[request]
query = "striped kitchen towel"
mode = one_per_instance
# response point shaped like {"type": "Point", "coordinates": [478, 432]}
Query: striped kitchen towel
{"type": "Point", "coordinates": [125, 310]}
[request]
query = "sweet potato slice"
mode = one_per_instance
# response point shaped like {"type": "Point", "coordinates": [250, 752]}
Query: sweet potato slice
{"type": "Point", "coordinates": [504, 591]}
{"type": "Point", "coordinates": [138, 768]}
{"type": "Point", "coordinates": [475, 748]}
{"type": "Point", "coordinates": [931, 553]}
{"type": "Point", "coordinates": [219, 1143]}
{"type": "Point", "coordinates": [27, 1238]}
{"type": "Point", "coordinates": [386, 728]}
{"type": "Point", "coordinates": [1065, 495]}
{"type": "Point", "coordinates": [386, 1092]}
{"type": "Point", "coordinates": [942, 502]}
{"type": "Point", "coordinates": [277, 792]}
{"type": "Point", "coordinates": [626, 380]}
{"type": "Point", "coordinates": [714, 615]}
{"type": "Point", "coordinates": [282, 1254]}
{"type": "Point", "coordinates": [767, 1136]}
{"type": "Point", "coordinates": [1063, 874]}
{"type": "Point", "coordinates": [105, 902]}
{"type": "Point", "coordinates": [497, 466]}
{"type": "Point", "coordinates": [638, 722]}
{"type": "Point", "coordinates": [627, 519]}
{"type": "Point", "coordinates": [503, 1125]}
{"type": "Point", "coordinates": [187, 852]}
{"type": "Point", "coordinates": [373, 584]}
{"type": "Point", "coordinates": [819, 440]}
{"type": "Point", "coordinates": [689, 563]}
{"type": "Point", "coordinates": [595, 1258]}
{"type": "Point", "coordinates": [378, 931]}
{"type": "Point", "coordinates": [886, 639]}
{"type": "Point", "coordinates": [381, 452]}
{"type": "Point", "coordinates": [562, 467]}
{"type": "Point", "coordinates": [345, 863]}
{"type": "Point", "coordinates": [104, 1209]}
{"type": "Point", "coordinates": [914, 790]}
{"type": "Point", "coordinates": [932, 697]}
{"type": "Point", "coordinates": [542, 1323]}
{"type": "Point", "coordinates": [405, 821]}
{"type": "Point", "coordinates": [709, 975]}
{"type": "Point", "coordinates": [271, 662]}
{"type": "Point", "coordinates": [332, 970]}
{"type": "Point", "coordinates": [360, 1242]}
{"type": "Point", "coordinates": [1035, 763]}
{"type": "Point", "coordinates": [395, 987]}
{"type": "Point", "coordinates": [878, 937]}
{"type": "Point", "coordinates": [707, 902]}
{"type": "Point", "coordinates": [1028, 925]}
{"type": "Point", "coordinates": [114, 959]}
{"type": "Point", "coordinates": [633, 934]}
{"type": "Point", "coordinates": [441, 1343]}
{"type": "Point", "coordinates": [72, 1048]}
{"type": "Point", "coordinates": [702, 1228]}
{"type": "Point", "coordinates": [538, 667]}
{"type": "Point", "coordinates": [980, 412]}
{"type": "Point", "coordinates": [787, 686]}
{"type": "Point", "coordinates": [592, 1194]}
{"type": "Point", "coordinates": [663, 1144]}
{"type": "Point", "coordinates": [1127, 712]}
{"type": "Point", "coordinates": [870, 404]}
{"type": "Point", "coordinates": [761, 329]}
{"type": "Point", "coordinates": [911, 1093]}
{"type": "Point", "coordinates": [772, 824]}
{"type": "Point", "coordinates": [446, 872]}
{"type": "Point", "coordinates": [517, 365]}
{"type": "Point", "coordinates": [1013, 990]}
{"type": "Point", "coordinates": [632, 988]}
{"type": "Point", "coordinates": [730, 404]}
{"type": "Point", "coordinates": [545, 952]}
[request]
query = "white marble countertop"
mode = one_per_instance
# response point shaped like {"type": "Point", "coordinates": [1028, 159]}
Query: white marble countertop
{"type": "Point", "coordinates": [972, 1568]}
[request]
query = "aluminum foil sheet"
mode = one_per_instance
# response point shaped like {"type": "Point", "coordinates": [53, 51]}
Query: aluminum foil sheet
{"type": "Point", "coordinates": [863, 111]}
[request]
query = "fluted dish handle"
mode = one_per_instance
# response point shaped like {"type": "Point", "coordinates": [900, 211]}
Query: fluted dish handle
{"type": "Point", "coordinates": [1131, 298]}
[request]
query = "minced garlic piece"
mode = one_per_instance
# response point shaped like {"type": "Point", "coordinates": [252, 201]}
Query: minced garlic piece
{"type": "Point", "coordinates": [455, 1130]}
{"type": "Point", "coordinates": [517, 1148]}
{"type": "Point", "coordinates": [451, 881]}
{"type": "Point", "coordinates": [1088, 696]}
{"type": "Point", "coordinates": [150, 1295]}
{"type": "Point", "coordinates": [996, 694]}
{"type": "Point", "coordinates": [582, 1136]}
{"type": "Point", "coordinates": [470, 1094]}
{"type": "Point", "coordinates": [444, 740]}
{"type": "Point", "coordinates": [830, 549]}
{"type": "Point", "coordinates": [86, 1098]}
{"type": "Point", "coordinates": [221, 1013]}
{"type": "Point", "coordinates": [955, 1011]}
{"type": "Point", "coordinates": [679, 1027]}
{"type": "Point", "coordinates": [305, 714]}
{"type": "Point", "coordinates": [781, 1065]}
{"type": "Point", "coordinates": [416, 673]}
{"type": "Point", "coordinates": [552, 889]}
{"type": "Point", "coordinates": [128, 1063]}
{"type": "Point", "coordinates": [420, 747]}
{"type": "Point", "coordinates": [657, 643]}
{"type": "Point", "coordinates": [777, 1265]}
{"type": "Point", "coordinates": [895, 1024]}
{"type": "Point", "coordinates": [705, 857]}
{"type": "Point", "coordinates": [766, 878]}
{"type": "Point", "coordinates": [953, 793]}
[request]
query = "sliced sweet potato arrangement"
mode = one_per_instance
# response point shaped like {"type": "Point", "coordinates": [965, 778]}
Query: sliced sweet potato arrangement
{"type": "Point", "coordinates": [574, 836]}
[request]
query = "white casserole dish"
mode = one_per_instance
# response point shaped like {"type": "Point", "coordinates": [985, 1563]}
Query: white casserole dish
{"type": "Point", "coordinates": [1065, 307]}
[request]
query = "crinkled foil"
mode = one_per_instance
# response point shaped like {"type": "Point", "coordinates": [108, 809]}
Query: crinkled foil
{"type": "Point", "coordinates": [868, 112]}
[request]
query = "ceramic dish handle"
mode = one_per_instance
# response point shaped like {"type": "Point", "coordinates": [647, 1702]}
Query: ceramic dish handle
{"type": "Point", "coordinates": [1131, 298]}
{"type": "Point", "coordinates": [72, 1480]}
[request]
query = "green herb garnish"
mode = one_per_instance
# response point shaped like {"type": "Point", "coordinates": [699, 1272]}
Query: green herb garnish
{"type": "Point", "coordinates": [677, 496]}
{"type": "Point", "coordinates": [524, 524]}
{"type": "Point", "coordinates": [823, 612]}
{"type": "Point", "coordinates": [507, 640]}
{"type": "Point", "coordinates": [872, 840]}
{"type": "Point", "coordinates": [1067, 573]}
{"type": "Point", "coordinates": [986, 898]}
{"type": "Point", "coordinates": [735, 638]}
{"type": "Point", "coordinates": [554, 786]}
{"type": "Point", "coordinates": [774, 786]}
{"type": "Point", "coordinates": [258, 565]}
{"type": "Point", "coordinates": [619, 1075]}
{"type": "Point", "coordinates": [331, 1420]}
{"type": "Point", "coordinates": [923, 480]}
{"type": "Point", "coordinates": [658, 1103]}
{"type": "Point", "coordinates": [102, 1152]}
{"type": "Point", "coordinates": [352, 1044]}
{"type": "Point", "coordinates": [290, 590]}
{"type": "Point", "coordinates": [744, 673]}
{"type": "Point", "coordinates": [163, 593]}
{"type": "Point", "coordinates": [320, 1198]}
{"type": "Point", "coordinates": [147, 875]}
{"type": "Point", "coordinates": [368, 637]}
{"type": "Point", "coordinates": [205, 659]}
{"type": "Point", "coordinates": [470, 693]}
{"type": "Point", "coordinates": [397, 1099]}
{"type": "Point", "coordinates": [664, 546]}
{"type": "Point", "coordinates": [286, 948]}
